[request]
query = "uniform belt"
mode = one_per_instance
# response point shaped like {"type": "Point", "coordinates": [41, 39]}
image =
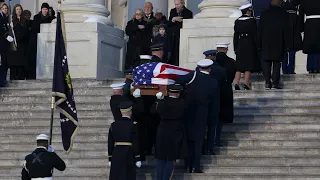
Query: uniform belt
{"type": "Point", "coordinates": [291, 11]}
{"type": "Point", "coordinates": [313, 17]}
{"type": "Point", "coordinates": [123, 144]}
{"type": "Point", "coordinates": [45, 178]}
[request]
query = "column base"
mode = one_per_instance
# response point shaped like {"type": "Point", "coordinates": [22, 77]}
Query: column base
{"type": "Point", "coordinates": [94, 51]}
{"type": "Point", "coordinates": [199, 35]}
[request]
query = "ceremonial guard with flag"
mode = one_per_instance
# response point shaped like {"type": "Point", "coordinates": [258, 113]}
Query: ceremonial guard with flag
{"type": "Point", "coordinates": [123, 145]}
{"type": "Point", "coordinates": [40, 163]}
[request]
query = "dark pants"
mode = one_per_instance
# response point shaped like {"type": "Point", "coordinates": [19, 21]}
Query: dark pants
{"type": "Point", "coordinates": [217, 138]}
{"type": "Point", "coordinates": [212, 127]}
{"type": "Point", "coordinates": [289, 62]}
{"type": "Point", "coordinates": [2, 76]}
{"type": "Point", "coordinates": [176, 51]}
{"type": "Point", "coordinates": [275, 75]}
{"type": "Point", "coordinates": [194, 154]}
{"type": "Point", "coordinates": [164, 169]}
{"type": "Point", "coordinates": [313, 62]}
{"type": "Point", "coordinates": [17, 73]}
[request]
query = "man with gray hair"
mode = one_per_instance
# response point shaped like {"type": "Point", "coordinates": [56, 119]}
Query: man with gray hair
{"type": "Point", "coordinates": [177, 15]}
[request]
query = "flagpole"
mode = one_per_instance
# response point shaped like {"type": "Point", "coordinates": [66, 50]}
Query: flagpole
{"type": "Point", "coordinates": [53, 99]}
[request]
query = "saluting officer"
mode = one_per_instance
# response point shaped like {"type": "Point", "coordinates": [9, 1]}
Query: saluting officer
{"type": "Point", "coordinates": [40, 163]}
{"type": "Point", "coordinates": [171, 142]}
{"type": "Point", "coordinates": [201, 88]}
{"type": "Point", "coordinates": [123, 145]}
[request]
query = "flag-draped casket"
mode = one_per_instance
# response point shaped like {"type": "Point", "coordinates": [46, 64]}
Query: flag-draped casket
{"type": "Point", "coordinates": [155, 76]}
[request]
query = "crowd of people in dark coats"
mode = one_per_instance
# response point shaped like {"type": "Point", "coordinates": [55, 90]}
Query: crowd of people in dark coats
{"type": "Point", "coordinates": [147, 28]}
{"type": "Point", "coordinates": [19, 55]}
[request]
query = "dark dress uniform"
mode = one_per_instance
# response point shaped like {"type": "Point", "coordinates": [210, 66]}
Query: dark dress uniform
{"type": "Point", "coordinates": [288, 65]}
{"type": "Point", "coordinates": [310, 26]}
{"type": "Point", "coordinates": [123, 149]}
{"type": "Point", "coordinates": [226, 103]}
{"type": "Point", "coordinates": [171, 140]}
{"type": "Point", "coordinates": [200, 94]}
{"type": "Point", "coordinates": [3, 47]}
{"type": "Point", "coordinates": [175, 30]}
{"type": "Point", "coordinates": [40, 164]}
{"type": "Point", "coordinates": [245, 44]}
{"type": "Point", "coordinates": [138, 43]}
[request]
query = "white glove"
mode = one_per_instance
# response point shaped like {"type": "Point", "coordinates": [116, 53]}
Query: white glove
{"type": "Point", "coordinates": [9, 38]}
{"type": "Point", "coordinates": [137, 93]}
{"type": "Point", "coordinates": [138, 164]}
{"type": "Point", "coordinates": [159, 95]}
{"type": "Point", "coordinates": [11, 24]}
{"type": "Point", "coordinates": [50, 148]}
{"type": "Point", "coordinates": [131, 86]}
{"type": "Point", "coordinates": [109, 163]}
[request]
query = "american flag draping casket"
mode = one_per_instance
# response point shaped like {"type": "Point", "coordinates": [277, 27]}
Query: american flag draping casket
{"type": "Point", "coordinates": [156, 73]}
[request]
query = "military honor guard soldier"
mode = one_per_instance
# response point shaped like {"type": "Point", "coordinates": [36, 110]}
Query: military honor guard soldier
{"type": "Point", "coordinates": [245, 46]}
{"type": "Point", "coordinates": [201, 88]}
{"type": "Point", "coordinates": [157, 52]}
{"type": "Point", "coordinates": [40, 163]}
{"type": "Point", "coordinates": [123, 145]}
{"type": "Point", "coordinates": [170, 143]}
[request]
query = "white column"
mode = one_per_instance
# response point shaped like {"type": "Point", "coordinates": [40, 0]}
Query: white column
{"type": "Point", "coordinates": [220, 8]}
{"type": "Point", "coordinates": [76, 11]}
{"type": "Point", "coordinates": [160, 4]}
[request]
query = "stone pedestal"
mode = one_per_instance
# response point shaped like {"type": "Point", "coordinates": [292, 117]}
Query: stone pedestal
{"type": "Point", "coordinates": [95, 48]}
{"type": "Point", "coordinates": [213, 24]}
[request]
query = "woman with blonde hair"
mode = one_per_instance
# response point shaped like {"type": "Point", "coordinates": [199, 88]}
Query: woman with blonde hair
{"type": "Point", "coordinates": [138, 43]}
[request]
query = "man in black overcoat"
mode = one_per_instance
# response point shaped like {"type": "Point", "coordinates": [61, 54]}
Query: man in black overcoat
{"type": "Point", "coordinates": [123, 145]}
{"type": "Point", "coordinates": [273, 42]}
{"type": "Point", "coordinates": [201, 90]}
{"type": "Point", "coordinates": [41, 162]}
{"type": "Point", "coordinates": [176, 17]}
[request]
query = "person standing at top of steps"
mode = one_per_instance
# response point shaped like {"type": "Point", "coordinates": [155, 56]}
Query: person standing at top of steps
{"type": "Point", "coordinates": [138, 108]}
{"type": "Point", "coordinates": [273, 42]}
{"type": "Point", "coordinates": [123, 145]}
{"type": "Point", "coordinates": [171, 142]}
{"type": "Point", "coordinates": [201, 90]}
{"type": "Point", "coordinates": [40, 163]}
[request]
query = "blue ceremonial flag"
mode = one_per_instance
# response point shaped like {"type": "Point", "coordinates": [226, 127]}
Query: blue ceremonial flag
{"type": "Point", "coordinates": [62, 91]}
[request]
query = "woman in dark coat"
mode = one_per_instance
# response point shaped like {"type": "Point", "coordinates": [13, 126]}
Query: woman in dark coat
{"type": "Point", "coordinates": [41, 18]}
{"type": "Point", "coordinates": [295, 39]}
{"type": "Point", "coordinates": [17, 60]}
{"type": "Point", "coordinates": [245, 46]}
{"type": "Point", "coordinates": [138, 43]}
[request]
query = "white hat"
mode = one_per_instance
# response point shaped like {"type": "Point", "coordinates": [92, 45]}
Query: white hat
{"type": "Point", "coordinates": [159, 11]}
{"type": "Point", "coordinates": [145, 57]}
{"type": "Point", "coordinates": [222, 44]}
{"type": "Point", "coordinates": [42, 137]}
{"type": "Point", "coordinates": [246, 6]}
{"type": "Point", "coordinates": [205, 63]}
{"type": "Point", "coordinates": [117, 86]}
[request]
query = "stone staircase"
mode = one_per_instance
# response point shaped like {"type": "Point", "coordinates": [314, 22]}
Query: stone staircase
{"type": "Point", "coordinates": [275, 135]}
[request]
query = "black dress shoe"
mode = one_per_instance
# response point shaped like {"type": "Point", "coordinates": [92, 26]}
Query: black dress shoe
{"type": "Point", "coordinates": [268, 86]}
{"type": "Point", "coordinates": [237, 87]}
{"type": "Point", "coordinates": [277, 86]}
{"type": "Point", "coordinates": [197, 171]}
{"type": "Point", "coordinates": [246, 87]}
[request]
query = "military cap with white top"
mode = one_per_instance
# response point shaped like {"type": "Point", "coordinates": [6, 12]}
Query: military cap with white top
{"type": "Point", "coordinates": [117, 86]}
{"type": "Point", "coordinates": [246, 6]}
{"type": "Point", "coordinates": [145, 57]}
{"type": "Point", "coordinates": [43, 137]}
{"type": "Point", "coordinates": [222, 44]}
{"type": "Point", "coordinates": [205, 63]}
